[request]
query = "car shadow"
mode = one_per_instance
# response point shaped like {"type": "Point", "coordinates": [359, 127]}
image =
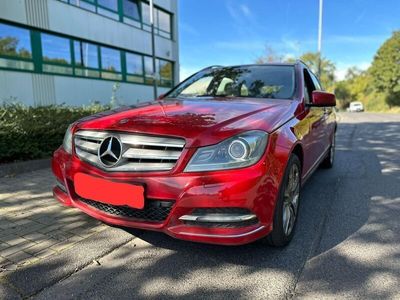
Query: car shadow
{"type": "Point", "coordinates": [356, 203]}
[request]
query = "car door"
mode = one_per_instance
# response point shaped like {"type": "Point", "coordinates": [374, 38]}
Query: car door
{"type": "Point", "coordinates": [327, 124]}
{"type": "Point", "coordinates": [314, 142]}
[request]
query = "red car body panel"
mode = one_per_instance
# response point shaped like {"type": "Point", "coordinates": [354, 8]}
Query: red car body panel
{"type": "Point", "coordinates": [292, 127]}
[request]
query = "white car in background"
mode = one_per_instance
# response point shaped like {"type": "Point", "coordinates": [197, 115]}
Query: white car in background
{"type": "Point", "coordinates": [355, 106]}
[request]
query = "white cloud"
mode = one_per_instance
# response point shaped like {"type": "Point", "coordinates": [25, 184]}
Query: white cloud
{"type": "Point", "coordinates": [349, 39]}
{"type": "Point", "coordinates": [342, 68]}
{"type": "Point", "coordinates": [245, 10]}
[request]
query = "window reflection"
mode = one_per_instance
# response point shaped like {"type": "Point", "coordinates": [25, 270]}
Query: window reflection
{"type": "Point", "coordinates": [86, 55]}
{"type": "Point", "coordinates": [131, 9]}
{"type": "Point", "coordinates": [15, 41]}
{"type": "Point", "coordinates": [56, 49]}
{"type": "Point", "coordinates": [110, 59]}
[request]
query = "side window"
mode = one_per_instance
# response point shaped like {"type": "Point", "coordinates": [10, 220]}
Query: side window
{"type": "Point", "coordinates": [225, 87]}
{"type": "Point", "coordinates": [308, 86]}
{"type": "Point", "coordinates": [316, 82]}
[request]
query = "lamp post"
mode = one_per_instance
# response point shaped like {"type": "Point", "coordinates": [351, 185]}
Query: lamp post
{"type": "Point", "coordinates": [153, 50]}
{"type": "Point", "coordinates": [320, 35]}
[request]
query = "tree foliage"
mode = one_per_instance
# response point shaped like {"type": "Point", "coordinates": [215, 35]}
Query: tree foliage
{"type": "Point", "coordinates": [328, 68]}
{"type": "Point", "coordinates": [385, 69]}
{"type": "Point", "coordinates": [9, 46]}
{"type": "Point", "coordinates": [327, 76]}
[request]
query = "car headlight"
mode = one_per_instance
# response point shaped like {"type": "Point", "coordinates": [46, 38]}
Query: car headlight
{"type": "Point", "coordinates": [239, 151]}
{"type": "Point", "coordinates": [67, 142]}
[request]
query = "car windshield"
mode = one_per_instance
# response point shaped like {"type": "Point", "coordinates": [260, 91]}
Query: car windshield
{"type": "Point", "coordinates": [266, 81]}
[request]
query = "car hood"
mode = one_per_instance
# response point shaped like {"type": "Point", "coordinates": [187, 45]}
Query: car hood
{"type": "Point", "coordinates": [200, 121]}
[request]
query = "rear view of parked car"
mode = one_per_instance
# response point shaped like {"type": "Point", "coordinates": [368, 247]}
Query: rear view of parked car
{"type": "Point", "coordinates": [356, 106]}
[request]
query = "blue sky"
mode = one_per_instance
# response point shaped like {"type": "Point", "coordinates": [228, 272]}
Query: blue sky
{"type": "Point", "coordinates": [226, 32]}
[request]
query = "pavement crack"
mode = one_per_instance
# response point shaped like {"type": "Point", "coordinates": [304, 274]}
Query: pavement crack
{"type": "Point", "coordinates": [80, 268]}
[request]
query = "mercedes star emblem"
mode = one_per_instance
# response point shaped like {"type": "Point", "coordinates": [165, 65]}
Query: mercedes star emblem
{"type": "Point", "coordinates": [110, 151]}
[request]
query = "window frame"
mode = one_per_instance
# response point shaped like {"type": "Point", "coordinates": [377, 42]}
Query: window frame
{"type": "Point", "coordinates": [120, 16]}
{"type": "Point", "coordinates": [38, 63]}
{"type": "Point", "coordinates": [15, 58]}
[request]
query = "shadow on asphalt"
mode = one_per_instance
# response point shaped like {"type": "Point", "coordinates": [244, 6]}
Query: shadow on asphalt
{"type": "Point", "coordinates": [354, 200]}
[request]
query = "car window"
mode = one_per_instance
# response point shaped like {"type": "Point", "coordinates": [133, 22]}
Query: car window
{"type": "Point", "coordinates": [308, 87]}
{"type": "Point", "coordinates": [316, 82]}
{"type": "Point", "coordinates": [254, 81]}
{"type": "Point", "coordinates": [225, 87]}
{"type": "Point", "coordinates": [197, 87]}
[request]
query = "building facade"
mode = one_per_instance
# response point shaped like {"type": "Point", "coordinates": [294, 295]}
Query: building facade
{"type": "Point", "coordinates": [81, 51]}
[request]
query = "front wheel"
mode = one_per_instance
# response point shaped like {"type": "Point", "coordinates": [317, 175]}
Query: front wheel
{"type": "Point", "coordinates": [286, 209]}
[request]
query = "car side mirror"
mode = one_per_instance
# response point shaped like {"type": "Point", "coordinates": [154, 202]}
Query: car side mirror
{"type": "Point", "coordinates": [162, 96]}
{"type": "Point", "coordinates": [323, 99]}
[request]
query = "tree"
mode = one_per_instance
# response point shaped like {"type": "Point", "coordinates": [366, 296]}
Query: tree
{"type": "Point", "coordinates": [311, 59]}
{"type": "Point", "coordinates": [343, 94]}
{"type": "Point", "coordinates": [269, 56]}
{"type": "Point", "coordinates": [385, 69]}
{"type": "Point", "coordinates": [328, 68]}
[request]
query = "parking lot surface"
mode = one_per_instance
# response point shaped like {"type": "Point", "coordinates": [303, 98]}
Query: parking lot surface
{"type": "Point", "coordinates": [347, 242]}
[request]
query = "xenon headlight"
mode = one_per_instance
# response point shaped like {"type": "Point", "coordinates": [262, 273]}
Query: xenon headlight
{"type": "Point", "coordinates": [239, 151]}
{"type": "Point", "coordinates": [67, 142]}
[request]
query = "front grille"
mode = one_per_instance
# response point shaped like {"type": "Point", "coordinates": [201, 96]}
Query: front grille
{"type": "Point", "coordinates": [153, 211]}
{"type": "Point", "coordinates": [138, 153]}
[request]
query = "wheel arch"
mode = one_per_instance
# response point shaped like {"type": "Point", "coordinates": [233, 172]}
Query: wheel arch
{"type": "Point", "coordinates": [298, 150]}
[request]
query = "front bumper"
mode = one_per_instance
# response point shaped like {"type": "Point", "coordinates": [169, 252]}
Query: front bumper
{"type": "Point", "coordinates": [226, 207]}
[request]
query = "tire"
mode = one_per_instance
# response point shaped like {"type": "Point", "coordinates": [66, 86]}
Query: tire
{"type": "Point", "coordinates": [288, 202]}
{"type": "Point", "coordinates": [327, 163]}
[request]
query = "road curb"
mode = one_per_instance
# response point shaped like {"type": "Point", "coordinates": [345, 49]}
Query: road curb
{"type": "Point", "coordinates": [49, 271]}
{"type": "Point", "coordinates": [15, 168]}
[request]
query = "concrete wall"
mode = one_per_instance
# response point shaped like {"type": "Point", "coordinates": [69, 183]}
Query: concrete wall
{"type": "Point", "coordinates": [34, 89]}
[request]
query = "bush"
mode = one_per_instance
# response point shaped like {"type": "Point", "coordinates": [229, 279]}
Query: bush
{"type": "Point", "coordinates": [35, 132]}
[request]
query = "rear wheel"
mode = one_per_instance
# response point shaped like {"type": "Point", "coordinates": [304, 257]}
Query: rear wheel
{"type": "Point", "coordinates": [287, 206]}
{"type": "Point", "coordinates": [327, 163]}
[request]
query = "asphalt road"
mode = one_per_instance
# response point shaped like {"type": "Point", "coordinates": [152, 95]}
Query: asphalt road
{"type": "Point", "coordinates": [347, 243]}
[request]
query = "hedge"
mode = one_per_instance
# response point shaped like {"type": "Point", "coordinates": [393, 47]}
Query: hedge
{"type": "Point", "coordinates": [35, 132]}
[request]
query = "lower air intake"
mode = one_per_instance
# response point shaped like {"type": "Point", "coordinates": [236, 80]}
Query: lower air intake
{"type": "Point", "coordinates": [154, 210]}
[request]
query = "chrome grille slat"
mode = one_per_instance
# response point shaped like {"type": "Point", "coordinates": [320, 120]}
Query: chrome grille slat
{"type": "Point", "coordinates": [140, 152]}
{"type": "Point", "coordinates": [150, 141]}
{"type": "Point", "coordinates": [87, 145]}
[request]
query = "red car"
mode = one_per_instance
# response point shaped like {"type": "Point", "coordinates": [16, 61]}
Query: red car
{"type": "Point", "coordinates": [219, 159]}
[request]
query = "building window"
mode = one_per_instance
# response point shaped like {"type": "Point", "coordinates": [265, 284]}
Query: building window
{"type": "Point", "coordinates": [131, 12]}
{"type": "Point", "coordinates": [134, 68]}
{"type": "Point", "coordinates": [60, 55]}
{"type": "Point", "coordinates": [85, 4]}
{"type": "Point", "coordinates": [165, 73]}
{"type": "Point", "coordinates": [108, 8]}
{"type": "Point", "coordinates": [111, 63]}
{"type": "Point", "coordinates": [56, 52]}
{"type": "Point", "coordinates": [134, 12]}
{"type": "Point", "coordinates": [162, 21]}
{"type": "Point", "coordinates": [164, 24]}
{"type": "Point", "coordinates": [86, 59]}
{"type": "Point", "coordinates": [15, 48]}
{"type": "Point", "coordinates": [148, 69]}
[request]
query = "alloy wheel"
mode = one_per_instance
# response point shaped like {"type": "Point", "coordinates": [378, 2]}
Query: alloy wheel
{"type": "Point", "coordinates": [291, 199]}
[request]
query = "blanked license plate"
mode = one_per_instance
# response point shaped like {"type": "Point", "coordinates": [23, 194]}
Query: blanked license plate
{"type": "Point", "coordinates": [109, 192]}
